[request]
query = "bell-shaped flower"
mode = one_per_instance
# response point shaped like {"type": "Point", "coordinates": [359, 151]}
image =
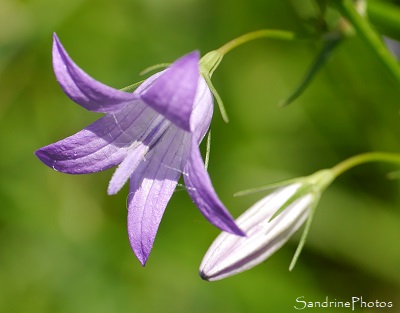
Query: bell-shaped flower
{"type": "Point", "coordinates": [153, 134]}
{"type": "Point", "coordinates": [268, 224]}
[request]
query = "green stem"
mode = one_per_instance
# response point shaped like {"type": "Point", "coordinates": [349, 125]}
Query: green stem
{"type": "Point", "coordinates": [369, 36]}
{"type": "Point", "coordinates": [385, 16]}
{"type": "Point", "coordinates": [212, 59]}
{"type": "Point", "coordinates": [263, 33]}
{"type": "Point", "coordinates": [365, 158]}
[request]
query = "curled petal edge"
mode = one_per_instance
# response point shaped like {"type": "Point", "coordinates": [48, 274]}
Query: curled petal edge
{"type": "Point", "coordinates": [83, 89]}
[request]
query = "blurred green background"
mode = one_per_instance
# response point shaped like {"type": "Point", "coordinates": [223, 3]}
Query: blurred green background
{"type": "Point", "coordinates": [63, 241]}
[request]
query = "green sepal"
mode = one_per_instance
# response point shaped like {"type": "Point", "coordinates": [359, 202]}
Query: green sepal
{"type": "Point", "coordinates": [266, 187]}
{"type": "Point", "coordinates": [305, 232]}
{"type": "Point", "coordinates": [132, 87]}
{"type": "Point", "coordinates": [303, 190]}
{"type": "Point", "coordinates": [208, 64]}
{"type": "Point", "coordinates": [220, 104]}
{"type": "Point", "coordinates": [154, 67]}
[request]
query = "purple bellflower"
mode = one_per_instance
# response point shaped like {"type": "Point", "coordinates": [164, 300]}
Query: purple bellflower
{"type": "Point", "coordinates": [152, 134]}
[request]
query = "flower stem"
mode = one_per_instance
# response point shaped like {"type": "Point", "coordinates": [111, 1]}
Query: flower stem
{"type": "Point", "coordinates": [365, 158]}
{"type": "Point", "coordinates": [368, 35]}
{"type": "Point", "coordinates": [385, 16]}
{"type": "Point", "coordinates": [263, 33]}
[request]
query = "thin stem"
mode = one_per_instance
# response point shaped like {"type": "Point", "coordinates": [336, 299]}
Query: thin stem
{"type": "Point", "coordinates": [264, 33]}
{"type": "Point", "coordinates": [365, 158]}
{"type": "Point", "coordinates": [370, 37]}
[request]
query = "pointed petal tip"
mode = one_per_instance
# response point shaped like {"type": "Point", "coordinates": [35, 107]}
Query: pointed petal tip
{"type": "Point", "coordinates": [212, 275]}
{"type": "Point", "coordinates": [195, 55]}
{"type": "Point", "coordinates": [142, 258]}
{"type": "Point", "coordinates": [203, 276]}
{"type": "Point", "coordinates": [204, 196]}
{"type": "Point", "coordinates": [143, 262]}
{"type": "Point", "coordinates": [57, 46]}
{"type": "Point", "coordinates": [111, 191]}
{"type": "Point", "coordinates": [84, 89]}
{"type": "Point", "coordinates": [237, 231]}
{"type": "Point", "coordinates": [39, 153]}
{"type": "Point", "coordinates": [55, 37]}
{"type": "Point", "coordinates": [58, 50]}
{"type": "Point", "coordinates": [231, 227]}
{"type": "Point", "coordinates": [190, 60]}
{"type": "Point", "coordinates": [141, 254]}
{"type": "Point", "coordinates": [44, 157]}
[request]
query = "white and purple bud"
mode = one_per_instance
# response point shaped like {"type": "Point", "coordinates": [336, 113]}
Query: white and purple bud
{"type": "Point", "coordinates": [268, 224]}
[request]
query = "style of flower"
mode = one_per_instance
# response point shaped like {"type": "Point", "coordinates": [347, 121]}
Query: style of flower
{"type": "Point", "coordinates": [153, 134]}
{"type": "Point", "coordinates": [269, 224]}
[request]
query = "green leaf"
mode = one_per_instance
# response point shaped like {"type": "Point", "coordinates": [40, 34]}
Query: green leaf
{"type": "Point", "coordinates": [331, 41]}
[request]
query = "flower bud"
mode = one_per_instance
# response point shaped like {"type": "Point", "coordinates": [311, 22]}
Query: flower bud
{"type": "Point", "coordinates": [268, 224]}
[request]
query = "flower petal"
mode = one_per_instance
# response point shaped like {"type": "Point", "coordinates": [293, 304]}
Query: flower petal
{"type": "Point", "coordinates": [151, 188]}
{"type": "Point", "coordinates": [202, 110]}
{"type": "Point", "coordinates": [102, 144]}
{"type": "Point", "coordinates": [83, 89]}
{"type": "Point", "coordinates": [172, 93]}
{"type": "Point", "coordinates": [127, 167]}
{"type": "Point", "coordinates": [201, 191]}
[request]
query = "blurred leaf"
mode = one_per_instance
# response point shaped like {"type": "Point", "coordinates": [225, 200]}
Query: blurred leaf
{"type": "Point", "coordinates": [330, 42]}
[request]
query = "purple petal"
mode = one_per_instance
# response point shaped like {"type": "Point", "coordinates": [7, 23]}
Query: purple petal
{"type": "Point", "coordinates": [102, 144]}
{"type": "Point", "coordinates": [172, 93]}
{"type": "Point", "coordinates": [83, 89]}
{"type": "Point", "coordinates": [151, 188]}
{"type": "Point", "coordinates": [201, 191]}
{"type": "Point", "coordinates": [127, 167]}
{"type": "Point", "coordinates": [202, 110]}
